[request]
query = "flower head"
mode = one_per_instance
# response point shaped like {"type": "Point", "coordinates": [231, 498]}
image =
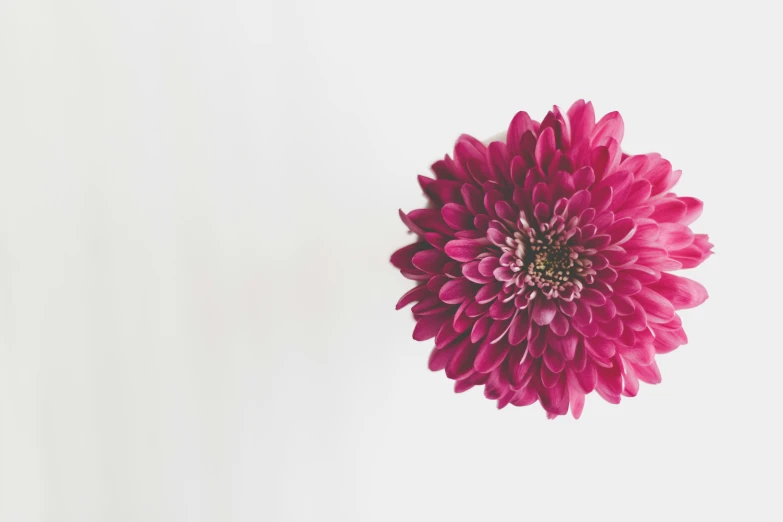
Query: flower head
{"type": "Point", "coordinates": [543, 262]}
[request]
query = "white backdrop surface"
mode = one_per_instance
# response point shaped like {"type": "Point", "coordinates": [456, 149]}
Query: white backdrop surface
{"type": "Point", "coordinates": [197, 204]}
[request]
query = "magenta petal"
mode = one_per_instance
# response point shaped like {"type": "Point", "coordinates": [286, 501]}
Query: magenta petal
{"type": "Point", "coordinates": [680, 291]}
{"type": "Point", "coordinates": [567, 307]}
{"type": "Point", "coordinates": [440, 358]}
{"type": "Point", "coordinates": [474, 199]}
{"type": "Point", "coordinates": [599, 161]}
{"type": "Point", "coordinates": [402, 258]}
{"type": "Point", "coordinates": [457, 217]}
{"type": "Point", "coordinates": [626, 284]}
{"type": "Point", "coordinates": [582, 119]}
{"type": "Point", "coordinates": [488, 292]}
{"type": "Point", "coordinates": [436, 240]}
{"type": "Point", "coordinates": [621, 230]}
{"type": "Point", "coordinates": [649, 374]}
{"type": "Point", "coordinates": [644, 274]}
{"type": "Point", "coordinates": [694, 208]}
{"type": "Point", "coordinates": [499, 161]}
{"type": "Point", "coordinates": [430, 306]}
{"type": "Point", "coordinates": [471, 272]}
{"type": "Point", "coordinates": [520, 124]}
{"type": "Point", "coordinates": [588, 330]}
{"type": "Point", "coordinates": [503, 273]}
{"type": "Point", "coordinates": [429, 220]}
{"type": "Point", "coordinates": [587, 378]}
{"type": "Point", "coordinates": [416, 293]}
{"type": "Point", "coordinates": [606, 312]}
{"type": "Point", "coordinates": [576, 401]}
{"type": "Point", "coordinates": [497, 236]}
{"type": "Point", "coordinates": [506, 212]}
{"type": "Point", "coordinates": [583, 314]}
{"type": "Point", "coordinates": [430, 261]}
{"type": "Point", "coordinates": [545, 148]}
{"type": "Point", "coordinates": [413, 227]}
{"type": "Point", "coordinates": [521, 370]}
{"type": "Point", "coordinates": [674, 236]}
{"type": "Point", "coordinates": [517, 332]}
{"type": "Point", "coordinates": [457, 291]}
{"type": "Point", "coordinates": [593, 297]}
{"type": "Point", "coordinates": [440, 191]}
{"type": "Point", "coordinates": [611, 329]}
{"type": "Point", "coordinates": [695, 254]}
{"type": "Point", "coordinates": [476, 309]}
{"type": "Point", "coordinates": [553, 360]}
{"type": "Point", "coordinates": [598, 242]}
{"type": "Point", "coordinates": [541, 194]}
{"type": "Point", "coordinates": [600, 347]}
{"type": "Point", "coordinates": [630, 381]}
{"type": "Point", "coordinates": [639, 354]}
{"type": "Point", "coordinates": [474, 379]}
{"type": "Point", "coordinates": [658, 308]}
{"type": "Point", "coordinates": [669, 210]}
{"type": "Point", "coordinates": [555, 399]}
{"type": "Point", "coordinates": [565, 345]}
{"type": "Point", "coordinates": [461, 364]}
{"type": "Point", "coordinates": [548, 377]}
{"type": "Point", "coordinates": [638, 196]}
{"type": "Point", "coordinates": [488, 265]}
{"type": "Point", "coordinates": [497, 385]}
{"type": "Point", "coordinates": [563, 185]}
{"type": "Point", "coordinates": [583, 178]}
{"type": "Point", "coordinates": [490, 356]}
{"type": "Point", "coordinates": [637, 320]}
{"type": "Point", "coordinates": [524, 397]}
{"type": "Point", "coordinates": [610, 383]}
{"type": "Point", "coordinates": [464, 249]}
{"type": "Point", "coordinates": [623, 304]}
{"type": "Point", "coordinates": [480, 328]}
{"type": "Point", "coordinates": [428, 325]}
{"type": "Point", "coordinates": [610, 126]}
{"type": "Point", "coordinates": [602, 220]}
{"type": "Point", "coordinates": [446, 335]}
{"type": "Point", "coordinates": [667, 340]}
{"type": "Point", "coordinates": [498, 329]}
{"type": "Point", "coordinates": [537, 344]}
{"type": "Point", "coordinates": [582, 359]}
{"type": "Point", "coordinates": [601, 198]}
{"type": "Point", "coordinates": [559, 324]}
{"type": "Point", "coordinates": [462, 321]}
{"type": "Point", "coordinates": [544, 311]}
{"type": "Point", "coordinates": [502, 311]}
{"type": "Point", "coordinates": [577, 204]}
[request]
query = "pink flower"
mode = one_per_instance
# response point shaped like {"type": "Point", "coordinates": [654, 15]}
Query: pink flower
{"type": "Point", "coordinates": [543, 263]}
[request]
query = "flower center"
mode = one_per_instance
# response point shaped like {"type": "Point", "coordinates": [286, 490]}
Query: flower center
{"type": "Point", "coordinates": [539, 259]}
{"type": "Point", "coordinates": [550, 264]}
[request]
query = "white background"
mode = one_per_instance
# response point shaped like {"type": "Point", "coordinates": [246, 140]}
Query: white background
{"type": "Point", "coordinates": [197, 204]}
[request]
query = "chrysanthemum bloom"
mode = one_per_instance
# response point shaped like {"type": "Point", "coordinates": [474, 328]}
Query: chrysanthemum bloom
{"type": "Point", "coordinates": [543, 263]}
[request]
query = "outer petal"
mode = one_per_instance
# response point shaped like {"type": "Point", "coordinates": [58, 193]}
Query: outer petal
{"type": "Point", "coordinates": [680, 291]}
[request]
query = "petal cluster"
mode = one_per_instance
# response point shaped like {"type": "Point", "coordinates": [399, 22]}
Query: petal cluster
{"type": "Point", "coordinates": [543, 262]}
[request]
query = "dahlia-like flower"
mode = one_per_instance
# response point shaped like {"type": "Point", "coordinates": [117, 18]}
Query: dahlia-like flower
{"type": "Point", "coordinates": [543, 263]}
